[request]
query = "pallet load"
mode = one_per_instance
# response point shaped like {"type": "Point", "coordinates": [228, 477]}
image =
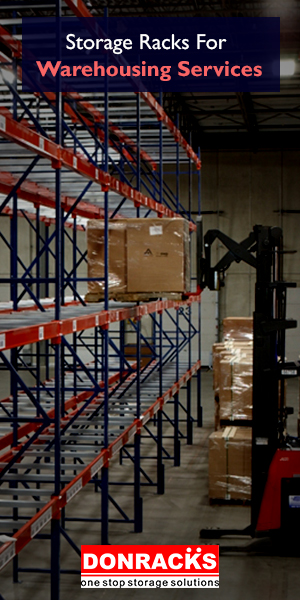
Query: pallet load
{"type": "Point", "coordinates": [235, 388]}
{"type": "Point", "coordinates": [148, 258]}
{"type": "Point", "coordinates": [230, 445]}
{"type": "Point", "coordinates": [230, 464]}
{"type": "Point", "coordinates": [238, 329]}
{"type": "Point", "coordinates": [232, 381]}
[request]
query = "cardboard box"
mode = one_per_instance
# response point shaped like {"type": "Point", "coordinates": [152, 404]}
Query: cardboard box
{"type": "Point", "coordinates": [158, 255]}
{"type": "Point", "coordinates": [217, 349]}
{"type": "Point", "coordinates": [145, 256]}
{"type": "Point", "coordinates": [242, 389]}
{"type": "Point", "coordinates": [230, 453]}
{"type": "Point", "coordinates": [232, 380]}
{"type": "Point", "coordinates": [225, 380]}
{"type": "Point", "coordinates": [117, 279]}
{"type": "Point", "coordinates": [235, 389]}
{"type": "Point", "coordinates": [229, 350]}
{"type": "Point", "coordinates": [222, 355]}
{"type": "Point", "coordinates": [238, 328]}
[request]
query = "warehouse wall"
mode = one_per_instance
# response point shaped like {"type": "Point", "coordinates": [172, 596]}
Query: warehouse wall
{"type": "Point", "coordinates": [245, 189]}
{"type": "Point", "coordinates": [250, 188]}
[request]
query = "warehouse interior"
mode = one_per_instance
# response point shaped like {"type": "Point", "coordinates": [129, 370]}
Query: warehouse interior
{"type": "Point", "coordinates": [125, 385]}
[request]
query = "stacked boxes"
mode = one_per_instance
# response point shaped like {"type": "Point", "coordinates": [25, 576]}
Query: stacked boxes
{"type": "Point", "coordinates": [147, 257]}
{"type": "Point", "coordinates": [238, 329]}
{"type": "Point", "coordinates": [235, 387]}
{"type": "Point", "coordinates": [230, 447]}
{"type": "Point", "coordinates": [230, 464]}
{"type": "Point", "coordinates": [233, 380]}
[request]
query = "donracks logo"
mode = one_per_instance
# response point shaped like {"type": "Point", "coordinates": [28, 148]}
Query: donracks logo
{"type": "Point", "coordinates": [150, 566]}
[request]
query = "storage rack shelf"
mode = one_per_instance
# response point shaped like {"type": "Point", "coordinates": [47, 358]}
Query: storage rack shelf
{"type": "Point", "coordinates": [76, 400]}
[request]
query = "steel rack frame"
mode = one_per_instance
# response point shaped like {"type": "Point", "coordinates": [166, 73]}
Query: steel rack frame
{"type": "Point", "coordinates": [76, 401]}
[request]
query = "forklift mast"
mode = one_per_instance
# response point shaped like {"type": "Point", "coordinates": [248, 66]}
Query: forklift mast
{"type": "Point", "coordinates": [263, 250]}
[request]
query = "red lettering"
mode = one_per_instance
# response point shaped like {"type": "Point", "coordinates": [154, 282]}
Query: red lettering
{"type": "Point", "coordinates": [232, 70]}
{"type": "Point", "coordinates": [48, 66]}
{"type": "Point", "coordinates": [87, 71]}
{"type": "Point", "coordinates": [257, 71]}
{"type": "Point", "coordinates": [196, 71]}
{"type": "Point", "coordinates": [206, 69]}
{"type": "Point", "coordinates": [247, 71]}
{"type": "Point", "coordinates": [185, 70]}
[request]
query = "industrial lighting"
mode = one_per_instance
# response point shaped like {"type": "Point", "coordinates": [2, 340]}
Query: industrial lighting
{"type": "Point", "coordinates": [287, 67]}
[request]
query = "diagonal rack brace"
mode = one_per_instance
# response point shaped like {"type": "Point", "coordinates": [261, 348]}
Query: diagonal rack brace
{"type": "Point", "coordinates": [61, 156]}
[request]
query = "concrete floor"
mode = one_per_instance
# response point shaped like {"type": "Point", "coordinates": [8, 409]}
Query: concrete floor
{"type": "Point", "coordinates": [174, 518]}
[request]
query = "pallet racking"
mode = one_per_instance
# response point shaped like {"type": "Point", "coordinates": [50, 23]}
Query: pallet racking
{"type": "Point", "coordinates": [76, 400]}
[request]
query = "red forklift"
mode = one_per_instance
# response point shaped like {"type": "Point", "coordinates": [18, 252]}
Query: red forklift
{"type": "Point", "coordinates": [275, 497]}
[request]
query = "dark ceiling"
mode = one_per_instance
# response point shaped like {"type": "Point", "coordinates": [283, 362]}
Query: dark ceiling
{"type": "Point", "coordinates": [227, 121]}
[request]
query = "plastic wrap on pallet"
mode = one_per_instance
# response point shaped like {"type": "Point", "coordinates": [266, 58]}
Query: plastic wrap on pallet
{"type": "Point", "coordinates": [146, 256]}
{"type": "Point", "coordinates": [235, 390]}
{"type": "Point", "coordinates": [230, 464]}
{"type": "Point", "coordinates": [220, 352]}
{"type": "Point", "coordinates": [238, 328]}
{"type": "Point", "coordinates": [217, 351]}
{"type": "Point", "coordinates": [232, 380]}
{"type": "Point", "coordinates": [96, 259]}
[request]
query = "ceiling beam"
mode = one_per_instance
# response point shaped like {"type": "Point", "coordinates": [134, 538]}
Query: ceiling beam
{"type": "Point", "coordinates": [249, 116]}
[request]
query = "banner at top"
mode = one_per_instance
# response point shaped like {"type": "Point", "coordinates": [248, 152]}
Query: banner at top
{"type": "Point", "coordinates": [151, 54]}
